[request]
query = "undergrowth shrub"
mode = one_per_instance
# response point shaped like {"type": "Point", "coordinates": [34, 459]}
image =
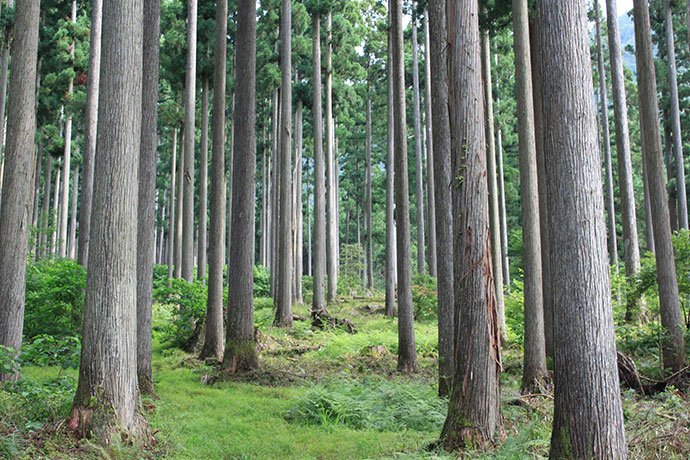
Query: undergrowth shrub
{"type": "Point", "coordinates": [27, 404]}
{"type": "Point", "coordinates": [371, 404]}
{"type": "Point", "coordinates": [55, 291]}
{"type": "Point", "coordinates": [262, 281]}
{"type": "Point", "coordinates": [48, 350]}
{"type": "Point", "coordinates": [185, 303]}
{"type": "Point", "coordinates": [424, 296]}
{"type": "Point", "coordinates": [515, 311]}
{"type": "Point", "coordinates": [351, 268]}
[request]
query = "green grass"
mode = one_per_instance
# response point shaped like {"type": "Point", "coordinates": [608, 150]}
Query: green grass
{"type": "Point", "coordinates": [321, 394]}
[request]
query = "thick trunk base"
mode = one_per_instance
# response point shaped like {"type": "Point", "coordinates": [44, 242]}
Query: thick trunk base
{"type": "Point", "coordinates": [146, 385]}
{"type": "Point", "coordinates": [102, 425]}
{"type": "Point", "coordinates": [240, 357]}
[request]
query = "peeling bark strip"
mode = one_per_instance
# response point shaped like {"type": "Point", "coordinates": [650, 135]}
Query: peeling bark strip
{"type": "Point", "coordinates": [588, 417]}
{"type": "Point", "coordinates": [107, 399]}
{"type": "Point", "coordinates": [474, 412]}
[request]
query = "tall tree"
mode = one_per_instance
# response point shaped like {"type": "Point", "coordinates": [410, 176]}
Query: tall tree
{"type": "Point", "coordinates": [213, 341]}
{"type": "Point", "coordinates": [407, 351]}
{"type": "Point", "coordinates": [673, 346]}
{"type": "Point", "coordinates": [588, 417]}
{"type": "Point", "coordinates": [283, 297]}
{"type": "Point", "coordinates": [203, 181]}
{"type": "Point", "coordinates": [331, 172]}
{"type": "Point", "coordinates": [319, 294]}
{"type": "Point", "coordinates": [179, 204]}
{"type": "Point", "coordinates": [391, 256]}
{"type": "Point", "coordinates": [631, 245]}
{"type": "Point", "coordinates": [187, 183]}
{"type": "Point", "coordinates": [438, 54]}
{"type": "Point", "coordinates": [430, 179]}
{"type": "Point", "coordinates": [107, 398]}
{"type": "Point", "coordinates": [67, 157]}
{"type": "Point", "coordinates": [675, 117]}
{"type": "Point", "coordinates": [4, 66]}
{"type": "Point", "coordinates": [534, 369]}
{"type": "Point", "coordinates": [297, 221]}
{"type": "Point", "coordinates": [16, 182]}
{"type": "Point", "coordinates": [172, 205]}
{"type": "Point", "coordinates": [494, 220]}
{"type": "Point", "coordinates": [146, 216]}
{"type": "Point", "coordinates": [419, 165]}
{"type": "Point", "coordinates": [367, 197]}
{"type": "Point", "coordinates": [606, 141]}
{"type": "Point", "coordinates": [91, 124]}
{"type": "Point", "coordinates": [474, 411]}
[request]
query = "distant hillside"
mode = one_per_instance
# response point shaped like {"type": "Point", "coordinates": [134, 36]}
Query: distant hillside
{"type": "Point", "coordinates": [625, 23]}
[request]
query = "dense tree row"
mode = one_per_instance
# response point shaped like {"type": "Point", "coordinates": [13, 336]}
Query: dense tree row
{"type": "Point", "coordinates": [106, 161]}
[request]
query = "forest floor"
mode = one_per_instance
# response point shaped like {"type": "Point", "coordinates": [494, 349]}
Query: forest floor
{"type": "Point", "coordinates": [320, 394]}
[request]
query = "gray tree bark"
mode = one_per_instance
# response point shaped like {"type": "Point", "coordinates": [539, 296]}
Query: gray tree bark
{"type": "Point", "coordinates": [107, 399]}
{"type": "Point", "coordinates": [675, 118]}
{"type": "Point", "coordinates": [187, 183]}
{"type": "Point", "coordinates": [283, 298]}
{"type": "Point", "coordinates": [91, 123]}
{"type": "Point", "coordinates": [16, 183]}
{"type": "Point", "coordinates": [67, 156]}
{"type": "Point", "coordinates": [430, 179]}
{"type": "Point", "coordinates": [203, 181]}
{"type": "Point", "coordinates": [146, 216]}
{"type": "Point", "coordinates": [535, 51]}
{"type": "Point", "coordinates": [331, 173]}
{"type": "Point", "coordinates": [673, 346]}
{"type": "Point", "coordinates": [172, 205]}
{"type": "Point", "coordinates": [297, 203]}
{"type": "Point", "coordinates": [71, 241]}
{"type": "Point", "coordinates": [474, 411]}
{"type": "Point", "coordinates": [494, 220]}
{"type": "Point", "coordinates": [407, 350]}
{"type": "Point", "coordinates": [367, 197]}
{"type": "Point", "coordinates": [502, 204]}
{"type": "Point", "coordinates": [178, 208]}
{"type": "Point", "coordinates": [43, 250]}
{"type": "Point", "coordinates": [606, 143]}
{"type": "Point", "coordinates": [631, 244]}
{"type": "Point", "coordinates": [56, 203]}
{"type": "Point", "coordinates": [240, 350]}
{"type": "Point", "coordinates": [419, 165]}
{"type": "Point", "coordinates": [534, 368]}
{"type": "Point", "coordinates": [391, 256]}
{"type": "Point", "coordinates": [588, 417]}
{"type": "Point", "coordinates": [319, 259]}
{"type": "Point", "coordinates": [213, 340]}
{"type": "Point", "coordinates": [442, 191]}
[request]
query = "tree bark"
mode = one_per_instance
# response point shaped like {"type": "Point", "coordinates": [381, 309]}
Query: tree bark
{"type": "Point", "coordinates": [240, 351]}
{"type": "Point", "coordinates": [178, 208]}
{"type": "Point", "coordinates": [606, 143]}
{"type": "Point", "coordinates": [535, 51]}
{"type": "Point", "coordinates": [442, 191]}
{"type": "Point", "coordinates": [213, 341]}
{"type": "Point", "coordinates": [56, 203]}
{"type": "Point", "coordinates": [625, 180]}
{"type": "Point", "coordinates": [187, 183]}
{"type": "Point", "coordinates": [367, 197]}
{"type": "Point", "coordinates": [331, 173]}
{"type": "Point", "coordinates": [675, 118]}
{"type": "Point", "coordinates": [431, 199]}
{"type": "Point", "coordinates": [16, 183]}
{"type": "Point", "coordinates": [67, 157]}
{"type": "Point", "coordinates": [474, 412]}
{"type": "Point", "coordinates": [673, 346]}
{"type": "Point", "coordinates": [203, 181]}
{"type": "Point", "coordinates": [419, 166]}
{"type": "Point", "coordinates": [494, 220]}
{"type": "Point", "coordinates": [90, 131]}
{"type": "Point", "coordinates": [588, 417]}
{"type": "Point", "coordinates": [107, 399]}
{"type": "Point", "coordinates": [146, 216]}
{"type": "Point", "coordinates": [297, 203]}
{"type": "Point", "coordinates": [283, 298]}
{"type": "Point", "coordinates": [71, 241]}
{"type": "Point", "coordinates": [391, 256]}
{"type": "Point", "coordinates": [172, 228]}
{"type": "Point", "coordinates": [407, 350]}
{"type": "Point", "coordinates": [502, 204]}
{"type": "Point", "coordinates": [319, 262]}
{"type": "Point", "coordinates": [534, 369]}
{"type": "Point", "coordinates": [43, 250]}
